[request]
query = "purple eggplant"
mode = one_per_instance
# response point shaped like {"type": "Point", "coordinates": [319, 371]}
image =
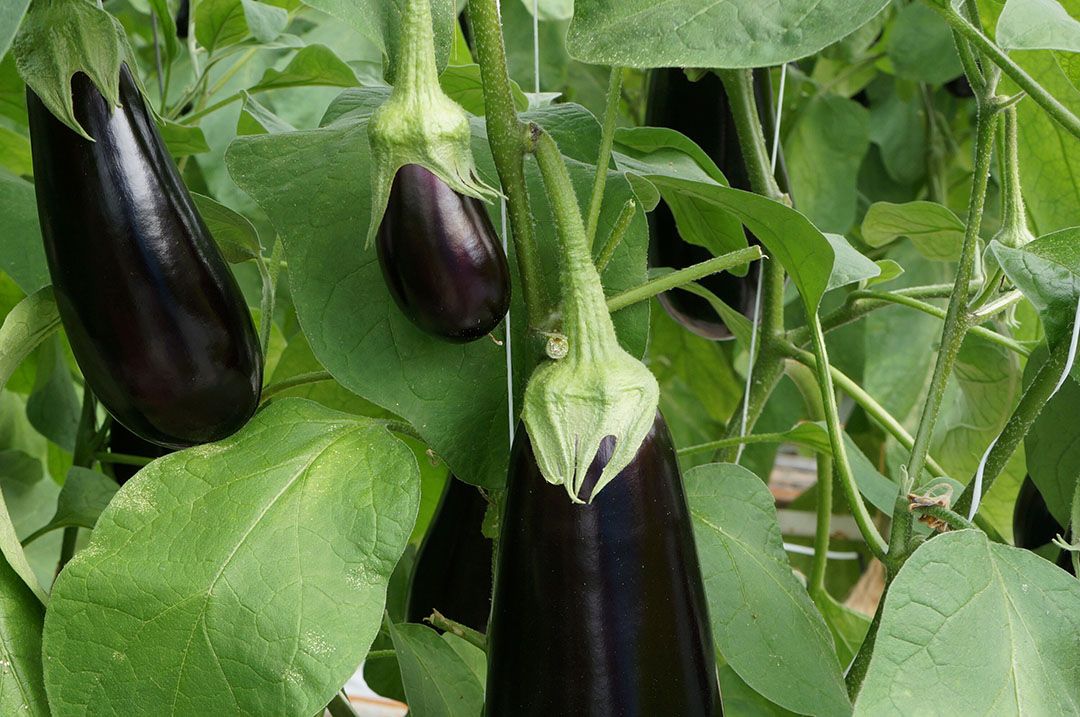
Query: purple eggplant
{"type": "Point", "coordinates": [441, 258]}
{"type": "Point", "coordinates": [599, 608]}
{"type": "Point", "coordinates": [155, 317]}
{"type": "Point", "coordinates": [1033, 524]}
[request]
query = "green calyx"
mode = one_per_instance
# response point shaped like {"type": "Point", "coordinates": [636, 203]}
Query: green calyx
{"type": "Point", "coordinates": [419, 124]}
{"type": "Point", "coordinates": [596, 389]}
{"type": "Point", "coordinates": [59, 38]}
{"type": "Point", "coordinates": [1014, 232]}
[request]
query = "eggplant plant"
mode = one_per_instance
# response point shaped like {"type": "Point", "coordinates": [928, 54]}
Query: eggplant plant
{"type": "Point", "coordinates": [539, 358]}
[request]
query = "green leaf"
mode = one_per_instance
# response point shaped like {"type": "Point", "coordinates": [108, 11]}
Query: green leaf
{"type": "Point", "coordinates": [15, 152]}
{"type": "Point", "coordinates": [1048, 272]}
{"type": "Point", "coordinates": [11, 14]}
{"type": "Point", "coordinates": [687, 33]}
{"type": "Point", "coordinates": [181, 139]}
{"type": "Point", "coordinates": [265, 21]}
{"type": "Point", "coordinates": [314, 65]}
{"type": "Point", "coordinates": [22, 690]}
{"type": "Point", "coordinates": [921, 46]}
{"type": "Point", "coordinates": [450, 393]}
{"type": "Point", "coordinates": [549, 10]}
{"type": "Point", "coordinates": [59, 38]}
{"type": "Point", "coordinates": [11, 552]}
{"type": "Point", "coordinates": [235, 235]}
{"type": "Point", "coordinates": [1037, 25]}
{"type": "Point", "coordinates": [463, 85]}
{"type": "Point", "coordinates": [21, 254]}
{"type": "Point", "coordinates": [12, 92]}
{"type": "Point", "coordinates": [86, 493]}
{"type": "Point", "coordinates": [28, 324]}
{"type": "Point", "coordinates": [932, 650]}
{"type": "Point", "coordinates": [1052, 447]}
{"type": "Point", "coordinates": [889, 270]}
{"type": "Point", "coordinates": [849, 266]}
{"type": "Point", "coordinates": [378, 21]}
{"type": "Point", "coordinates": [30, 495]}
{"type": "Point", "coordinates": [764, 623]}
{"type": "Point", "coordinates": [438, 681]}
{"type": "Point", "coordinates": [255, 118]}
{"type": "Point", "coordinates": [54, 407]}
{"type": "Point", "coordinates": [934, 229]}
{"type": "Point", "coordinates": [302, 516]}
{"type": "Point", "coordinates": [824, 150]}
{"type": "Point", "coordinates": [219, 23]}
{"type": "Point", "coordinates": [847, 626]}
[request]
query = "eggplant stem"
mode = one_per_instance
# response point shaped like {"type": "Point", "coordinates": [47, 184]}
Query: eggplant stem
{"type": "Point", "coordinates": [618, 233]}
{"type": "Point", "coordinates": [607, 137]}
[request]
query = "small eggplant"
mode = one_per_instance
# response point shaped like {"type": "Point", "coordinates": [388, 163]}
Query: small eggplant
{"type": "Point", "coordinates": [701, 111]}
{"type": "Point", "coordinates": [123, 441]}
{"type": "Point", "coordinates": [452, 573]}
{"type": "Point", "coordinates": [599, 608]}
{"type": "Point", "coordinates": [441, 258]}
{"type": "Point", "coordinates": [183, 19]}
{"type": "Point", "coordinates": [155, 317]}
{"type": "Point", "coordinates": [1033, 524]}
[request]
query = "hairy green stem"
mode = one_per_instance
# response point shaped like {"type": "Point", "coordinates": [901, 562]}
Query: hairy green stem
{"type": "Point", "coordinates": [294, 381]}
{"type": "Point", "coordinates": [951, 518]}
{"type": "Point", "coordinates": [675, 279]}
{"type": "Point", "coordinates": [857, 672]}
{"type": "Point", "coordinates": [507, 137]}
{"type": "Point", "coordinates": [83, 457]}
{"type": "Point", "coordinates": [618, 233]}
{"type": "Point", "coordinates": [1023, 417]}
{"type": "Point", "coordinates": [121, 459]}
{"type": "Point", "coordinates": [466, 633]}
{"type": "Point", "coordinates": [611, 114]}
{"type": "Point", "coordinates": [716, 445]}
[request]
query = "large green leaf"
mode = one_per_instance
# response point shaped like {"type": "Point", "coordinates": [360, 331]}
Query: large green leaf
{"type": "Point", "coordinates": [438, 680]}
{"type": "Point", "coordinates": [30, 495]}
{"type": "Point", "coordinates": [241, 577]}
{"type": "Point", "coordinates": [85, 494]}
{"type": "Point", "coordinates": [11, 14]}
{"type": "Point", "coordinates": [21, 253]}
{"type": "Point", "coordinates": [1048, 272]}
{"type": "Point", "coordinates": [921, 47]}
{"type": "Point", "coordinates": [22, 690]}
{"type": "Point", "coordinates": [690, 33]}
{"type": "Point", "coordinates": [764, 623]}
{"type": "Point", "coordinates": [1037, 25]}
{"type": "Point", "coordinates": [1052, 447]}
{"type": "Point", "coordinates": [974, 627]}
{"type": "Point", "coordinates": [454, 395]}
{"type": "Point", "coordinates": [933, 228]}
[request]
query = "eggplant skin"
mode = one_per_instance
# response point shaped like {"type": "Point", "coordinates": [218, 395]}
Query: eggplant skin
{"type": "Point", "coordinates": [1033, 524]}
{"type": "Point", "coordinates": [599, 609]}
{"type": "Point", "coordinates": [701, 111]}
{"type": "Point", "coordinates": [155, 318]}
{"type": "Point", "coordinates": [441, 258]}
{"type": "Point", "coordinates": [452, 573]}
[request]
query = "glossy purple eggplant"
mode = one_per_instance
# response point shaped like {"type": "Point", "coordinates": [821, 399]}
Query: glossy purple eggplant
{"type": "Point", "coordinates": [701, 111]}
{"type": "Point", "coordinates": [599, 609]}
{"type": "Point", "coordinates": [441, 258]}
{"type": "Point", "coordinates": [452, 573]}
{"type": "Point", "coordinates": [1033, 524]}
{"type": "Point", "coordinates": [155, 318]}
{"type": "Point", "coordinates": [123, 441]}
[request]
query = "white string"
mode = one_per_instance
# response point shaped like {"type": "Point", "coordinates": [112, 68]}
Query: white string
{"type": "Point", "coordinates": [830, 554]}
{"type": "Point", "coordinates": [536, 46]}
{"type": "Point", "coordinates": [755, 327]}
{"type": "Point", "coordinates": [976, 496]}
{"type": "Point", "coordinates": [509, 352]}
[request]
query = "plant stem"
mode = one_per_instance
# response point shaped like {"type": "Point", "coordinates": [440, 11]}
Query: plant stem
{"type": "Point", "coordinates": [121, 459]}
{"type": "Point", "coordinates": [196, 116]}
{"type": "Point", "coordinates": [473, 637]}
{"type": "Point", "coordinates": [83, 457]}
{"type": "Point", "coordinates": [956, 322]}
{"type": "Point", "coordinates": [507, 137]}
{"type": "Point", "coordinates": [340, 706]}
{"type": "Point", "coordinates": [618, 233]}
{"type": "Point", "coordinates": [294, 381]}
{"type": "Point", "coordinates": [673, 280]}
{"type": "Point", "coordinates": [1023, 417]}
{"type": "Point", "coordinates": [859, 512]}
{"type": "Point", "coordinates": [733, 442]}
{"type": "Point", "coordinates": [950, 518]}
{"type": "Point", "coordinates": [857, 672]}
{"type": "Point", "coordinates": [611, 114]}
{"type": "Point", "coordinates": [1057, 111]}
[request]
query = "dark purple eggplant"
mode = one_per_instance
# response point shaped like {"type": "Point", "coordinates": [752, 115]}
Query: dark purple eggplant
{"type": "Point", "coordinates": [441, 258]}
{"type": "Point", "coordinates": [960, 88]}
{"type": "Point", "coordinates": [1033, 524]}
{"type": "Point", "coordinates": [183, 16]}
{"type": "Point", "coordinates": [701, 111]}
{"type": "Point", "coordinates": [599, 608]}
{"type": "Point", "coordinates": [123, 441]}
{"type": "Point", "coordinates": [453, 567]}
{"type": "Point", "coordinates": [155, 318]}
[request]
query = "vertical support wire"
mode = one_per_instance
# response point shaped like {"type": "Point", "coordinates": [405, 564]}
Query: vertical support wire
{"type": "Point", "coordinates": [536, 47]}
{"type": "Point", "coordinates": [756, 324]}
{"type": "Point", "coordinates": [511, 422]}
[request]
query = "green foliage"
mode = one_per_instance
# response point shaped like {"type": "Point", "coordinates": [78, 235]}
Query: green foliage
{"type": "Point", "coordinates": [438, 672]}
{"type": "Point", "coordinates": [22, 690]}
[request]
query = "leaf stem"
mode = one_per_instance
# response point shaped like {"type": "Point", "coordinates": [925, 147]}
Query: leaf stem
{"type": "Point", "coordinates": [507, 137]}
{"type": "Point", "coordinates": [83, 457]}
{"type": "Point", "coordinates": [951, 518]}
{"type": "Point", "coordinates": [340, 706]}
{"type": "Point", "coordinates": [469, 635]}
{"type": "Point", "coordinates": [121, 459]}
{"type": "Point", "coordinates": [294, 381]}
{"type": "Point", "coordinates": [611, 114]}
{"type": "Point", "coordinates": [675, 279]}
{"type": "Point", "coordinates": [618, 233]}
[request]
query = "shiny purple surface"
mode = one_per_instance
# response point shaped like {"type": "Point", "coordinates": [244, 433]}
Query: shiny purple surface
{"type": "Point", "coordinates": [599, 609]}
{"type": "Point", "coordinates": [1033, 524]}
{"type": "Point", "coordinates": [441, 258]}
{"type": "Point", "coordinates": [154, 316]}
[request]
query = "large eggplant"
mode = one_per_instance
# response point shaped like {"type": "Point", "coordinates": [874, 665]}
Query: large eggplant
{"type": "Point", "coordinates": [599, 608]}
{"type": "Point", "coordinates": [452, 573]}
{"type": "Point", "coordinates": [441, 258]}
{"type": "Point", "coordinates": [123, 441]}
{"type": "Point", "coordinates": [1033, 524]}
{"type": "Point", "coordinates": [701, 111]}
{"type": "Point", "coordinates": [155, 318]}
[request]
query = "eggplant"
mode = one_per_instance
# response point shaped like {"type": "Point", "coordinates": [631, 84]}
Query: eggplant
{"type": "Point", "coordinates": [441, 258]}
{"type": "Point", "coordinates": [599, 608]}
{"type": "Point", "coordinates": [183, 17]}
{"type": "Point", "coordinates": [960, 88]}
{"type": "Point", "coordinates": [121, 440]}
{"type": "Point", "coordinates": [156, 320]}
{"type": "Point", "coordinates": [452, 573]}
{"type": "Point", "coordinates": [1033, 524]}
{"type": "Point", "coordinates": [701, 111]}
